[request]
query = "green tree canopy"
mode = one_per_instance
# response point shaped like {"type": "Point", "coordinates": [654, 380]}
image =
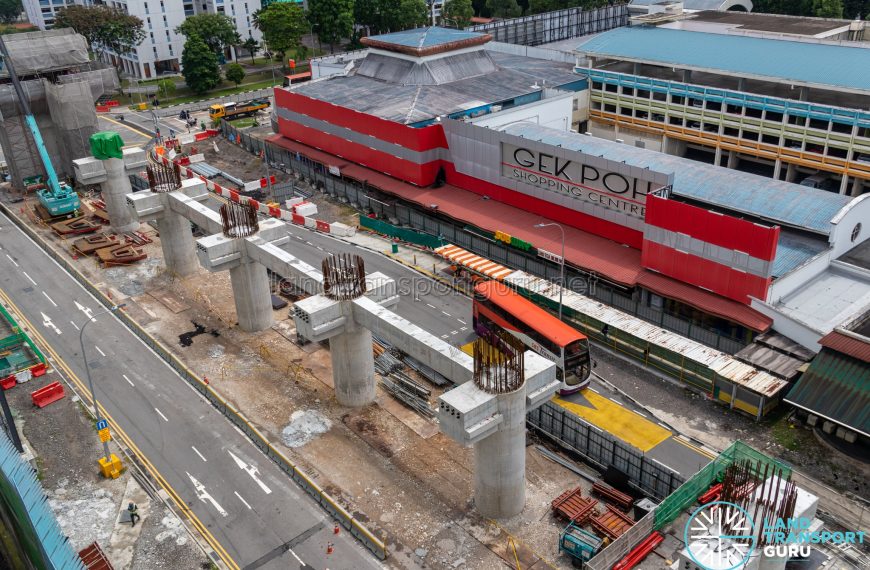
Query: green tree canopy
{"type": "Point", "coordinates": [252, 46]}
{"type": "Point", "coordinates": [283, 24]}
{"type": "Point", "coordinates": [218, 31]}
{"type": "Point", "coordinates": [457, 13]}
{"type": "Point", "coordinates": [10, 10]}
{"type": "Point", "coordinates": [503, 8]}
{"type": "Point", "coordinates": [381, 16]}
{"type": "Point", "coordinates": [104, 27]}
{"type": "Point", "coordinates": [235, 73]}
{"type": "Point", "coordinates": [331, 19]}
{"type": "Point", "coordinates": [828, 8]}
{"type": "Point", "coordinates": [200, 65]}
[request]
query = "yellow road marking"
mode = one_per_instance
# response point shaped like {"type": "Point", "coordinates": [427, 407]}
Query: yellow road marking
{"type": "Point", "coordinates": [121, 434]}
{"type": "Point", "coordinates": [128, 127]}
{"type": "Point", "coordinates": [695, 448]}
{"type": "Point", "coordinates": [625, 424]}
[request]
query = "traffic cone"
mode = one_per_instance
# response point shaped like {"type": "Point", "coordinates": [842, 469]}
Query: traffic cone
{"type": "Point", "coordinates": [337, 529]}
{"type": "Point", "coordinates": [205, 380]}
{"type": "Point", "coordinates": [329, 548]}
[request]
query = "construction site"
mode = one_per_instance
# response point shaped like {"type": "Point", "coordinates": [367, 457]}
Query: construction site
{"type": "Point", "coordinates": [424, 440]}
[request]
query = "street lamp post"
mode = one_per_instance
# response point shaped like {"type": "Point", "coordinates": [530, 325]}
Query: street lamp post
{"type": "Point", "coordinates": [561, 265]}
{"type": "Point", "coordinates": [88, 369]}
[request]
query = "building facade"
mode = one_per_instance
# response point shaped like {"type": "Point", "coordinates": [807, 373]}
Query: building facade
{"type": "Point", "coordinates": [160, 51]}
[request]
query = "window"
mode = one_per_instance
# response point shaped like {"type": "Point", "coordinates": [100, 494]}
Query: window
{"type": "Point", "coordinates": [770, 139]}
{"type": "Point", "coordinates": [819, 124]}
{"type": "Point", "coordinates": [162, 7]}
{"type": "Point", "coordinates": [642, 94]}
{"type": "Point", "coordinates": [167, 36]}
{"type": "Point", "coordinates": [628, 91]}
{"type": "Point", "coordinates": [246, 7]}
{"type": "Point", "coordinates": [611, 88]}
{"type": "Point", "coordinates": [164, 20]}
{"type": "Point", "coordinates": [730, 132]}
{"type": "Point", "coordinates": [146, 7]}
{"type": "Point", "coordinates": [797, 120]}
{"type": "Point", "coordinates": [609, 108]}
{"type": "Point", "coordinates": [625, 111]}
{"type": "Point", "coordinates": [714, 105]}
{"type": "Point", "coordinates": [773, 116]}
{"type": "Point", "coordinates": [151, 34]}
{"type": "Point", "coordinates": [734, 109]}
{"type": "Point", "coordinates": [595, 84]}
{"type": "Point", "coordinates": [659, 96]}
{"type": "Point", "coordinates": [841, 127]}
{"type": "Point", "coordinates": [677, 99]}
{"type": "Point", "coordinates": [753, 112]}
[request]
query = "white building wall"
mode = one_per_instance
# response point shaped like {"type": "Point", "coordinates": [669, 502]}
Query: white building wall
{"type": "Point", "coordinates": [554, 112]}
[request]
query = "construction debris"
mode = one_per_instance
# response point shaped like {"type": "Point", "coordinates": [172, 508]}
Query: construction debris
{"type": "Point", "coordinates": [409, 392]}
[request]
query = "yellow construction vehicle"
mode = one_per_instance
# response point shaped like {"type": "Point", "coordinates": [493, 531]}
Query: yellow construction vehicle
{"type": "Point", "coordinates": [231, 110]}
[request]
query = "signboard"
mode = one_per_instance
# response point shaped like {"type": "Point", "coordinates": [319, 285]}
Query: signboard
{"type": "Point", "coordinates": [105, 435]}
{"type": "Point", "coordinates": [572, 177]}
{"type": "Point", "coordinates": [334, 170]}
{"type": "Point", "coordinates": [543, 253]}
{"type": "Point", "coordinates": [102, 424]}
{"type": "Point", "coordinates": [253, 185]}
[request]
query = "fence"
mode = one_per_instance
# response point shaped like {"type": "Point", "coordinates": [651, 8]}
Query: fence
{"type": "Point", "coordinates": [25, 512]}
{"type": "Point", "coordinates": [555, 26]}
{"type": "Point", "coordinates": [602, 449]}
{"type": "Point", "coordinates": [368, 199]}
{"type": "Point", "coordinates": [403, 234]}
{"type": "Point", "coordinates": [354, 526]}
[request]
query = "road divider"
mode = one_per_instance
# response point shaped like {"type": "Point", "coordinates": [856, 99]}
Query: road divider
{"type": "Point", "coordinates": [371, 541]}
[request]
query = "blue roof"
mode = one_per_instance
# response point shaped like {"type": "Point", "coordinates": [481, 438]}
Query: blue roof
{"type": "Point", "coordinates": [425, 37]}
{"type": "Point", "coordinates": [786, 60]}
{"type": "Point", "coordinates": [792, 251]}
{"type": "Point", "coordinates": [780, 202]}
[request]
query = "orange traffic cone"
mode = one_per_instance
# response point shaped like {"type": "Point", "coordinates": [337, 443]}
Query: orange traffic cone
{"type": "Point", "coordinates": [329, 548]}
{"type": "Point", "coordinates": [337, 529]}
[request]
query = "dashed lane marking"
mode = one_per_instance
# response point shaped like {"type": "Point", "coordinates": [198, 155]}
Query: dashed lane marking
{"type": "Point", "coordinates": [49, 298]}
{"type": "Point", "coordinates": [100, 351]}
{"type": "Point", "coordinates": [159, 413]}
{"type": "Point", "coordinates": [75, 325]}
{"type": "Point", "coordinates": [29, 278]}
{"type": "Point", "coordinates": [15, 263]}
{"type": "Point", "coordinates": [130, 382]}
{"type": "Point", "coordinates": [246, 504]}
{"type": "Point", "coordinates": [195, 450]}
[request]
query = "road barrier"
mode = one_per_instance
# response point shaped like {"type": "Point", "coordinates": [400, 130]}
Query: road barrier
{"type": "Point", "coordinates": [48, 394]}
{"type": "Point", "coordinates": [373, 543]}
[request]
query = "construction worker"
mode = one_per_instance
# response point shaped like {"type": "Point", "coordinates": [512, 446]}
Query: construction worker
{"type": "Point", "coordinates": [134, 513]}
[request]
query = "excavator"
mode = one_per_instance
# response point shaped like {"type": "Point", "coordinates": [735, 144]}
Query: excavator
{"type": "Point", "coordinates": [57, 197]}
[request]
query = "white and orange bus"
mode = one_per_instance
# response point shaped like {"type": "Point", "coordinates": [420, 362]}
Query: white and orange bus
{"type": "Point", "coordinates": [497, 306]}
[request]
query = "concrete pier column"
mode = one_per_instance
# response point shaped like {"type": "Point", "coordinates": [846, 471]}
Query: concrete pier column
{"type": "Point", "coordinates": [790, 172]}
{"type": "Point", "coordinates": [253, 296]}
{"type": "Point", "coordinates": [777, 169]}
{"type": "Point", "coordinates": [500, 461]}
{"type": "Point", "coordinates": [717, 156]}
{"type": "Point", "coordinates": [732, 159]}
{"type": "Point", "coordinates": [844, 185]}
{"type": "Point", "coordinates": [115, 189]}
{"type": "Point", "coordinates": [856, 187]}
{"type": "Point", "coordinates": [179, 249]}
{"type": "Point", "coordinates": [353, 368]}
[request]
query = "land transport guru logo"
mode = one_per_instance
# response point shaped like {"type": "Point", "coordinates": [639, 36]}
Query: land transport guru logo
{"type": "Point", "coordinates": [723, 536]}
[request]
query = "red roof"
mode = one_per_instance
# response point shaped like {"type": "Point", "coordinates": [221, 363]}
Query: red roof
{"type": "Point", "coordinates": [704, 300]}
{"type": "Point", "coordinates": [854, 347]}
{"type": "Point", "coordinates": [611, 260]}
{"type": "Point", "coordinates": [542, 321]}
{"type": "Point", "coordinates": [312, 153]}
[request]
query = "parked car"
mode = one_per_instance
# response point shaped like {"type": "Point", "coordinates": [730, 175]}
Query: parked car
{"type": "Point", "coordinates": [820, 181]}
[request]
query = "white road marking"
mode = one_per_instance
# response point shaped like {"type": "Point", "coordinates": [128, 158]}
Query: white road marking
{"type": "Point", "coordinates": [195, 450]}
{"type": "Point", "coordinates": [453, 332]}
{"type": "Point", "coordinates": [430, 305]}
{"type": "Point", "coordinates": [463, 328]}
{"type": "Point", "coordinates": [30, 278]}
{"type": "Point", "coordinates": [75, 325]}
{"type": "Point", "coordinates": [461, 321]}
{"type": "Point", "coordinates": [309, 243]}
{"type": "Point", "coordinates": [12, 260]}
{"type": "Point", "coordinates": [100, 351]}
{"type": "Point", "coordinates": [296, 557]}
{"type": "Point", "coordinates": [594, 390]}
{"type": "Point", "coordinates": [88, 313]}
{"type": "Point", "coordinates": [445, 313]}
{"type": "Point", "coordinates": [203, 495]}
{"type": "Point", "coordinates": [128, 380]}
{"type": "Point", "coordinates": [165, 419]}
{"type": "Point", "coordinates": [49, 298]}
{"type": "Point", "coordinates": [443, 336]}
{"type": "Point", "coordinates": [244, 501]}
{"type": "Point", "coordinates": [251, 470]}
{"type": "Point", "coordinates": [46, 322]}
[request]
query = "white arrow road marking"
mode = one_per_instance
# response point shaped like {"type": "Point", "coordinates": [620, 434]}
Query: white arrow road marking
{"type": "Point", "coordinates": [46, 322]}
{"type": "Point", "coordinates": [49, 299]}
{"type": "Point", "coordinates": [241, 499]}
{"type": "Point", "coordinates": [252, 470]}
{"type": "Point", "coordinates": [88, 313]}
{"type": "Point", "coordinates": [29, 278]}
{"type": "Point", "coordinates": [203, 495]}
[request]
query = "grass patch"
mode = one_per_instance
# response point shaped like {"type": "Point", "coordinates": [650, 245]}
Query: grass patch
{"type": "Point", "coordinates": [244, 122]}
{"type": "Point", "coordinates": [786, 434]}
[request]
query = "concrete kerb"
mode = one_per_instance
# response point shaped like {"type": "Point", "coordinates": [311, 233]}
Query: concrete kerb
{"type": "Point", "coordinates": [369, 540]}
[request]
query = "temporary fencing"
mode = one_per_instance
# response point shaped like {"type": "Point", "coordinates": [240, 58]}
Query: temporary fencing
{"type": "Point", "coordinates": [372, 542]}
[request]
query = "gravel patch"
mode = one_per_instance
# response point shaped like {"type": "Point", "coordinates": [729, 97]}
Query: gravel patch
{"type": "Point", "coordinates": [304, 426]}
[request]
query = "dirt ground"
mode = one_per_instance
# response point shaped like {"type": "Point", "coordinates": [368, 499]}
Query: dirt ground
{"type": "Point", "coordinates": [409, 482]}
{"type": "Point", "coordinates": [64, 441]}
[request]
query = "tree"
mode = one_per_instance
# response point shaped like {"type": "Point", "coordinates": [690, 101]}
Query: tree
{"type": "Point", "coordinates": [103, 27]}
{"type": "Point", "coordinates": [10, 11]}
{"type": "Point", "coordinates": [252, 46]}
{"type": "Point", "coordinates": [828, 8]}
{"type": "Point", "coordinates": [200, 65]}
{"type": "Point", "coordinates": [283, 25]}
{"type": "Point", "coordinates": [217, 30]}
{"type": "Point", "coordinates": [503, 8]}
{"type": "Point", "coordinates": [331, 19]}
{"type": "Point", "coordinates": [235, 73]}
{"type": "Point", "coordinates": [458, 12]}
{"type": "Point", "coordinates": [166, 86]}
{"type": "Point", "coordinates": [412, 14]}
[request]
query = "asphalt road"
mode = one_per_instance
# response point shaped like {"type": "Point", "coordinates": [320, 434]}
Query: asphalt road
{"type": "Point", "coordinates": [259, 515]}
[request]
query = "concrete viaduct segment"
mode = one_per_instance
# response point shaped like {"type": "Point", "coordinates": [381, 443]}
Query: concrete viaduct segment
{"type": "Point", "coordinates": [496, 388]}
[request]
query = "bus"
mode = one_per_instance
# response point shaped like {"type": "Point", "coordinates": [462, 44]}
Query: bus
{"type": "Point", "coordinates": [497, 306]}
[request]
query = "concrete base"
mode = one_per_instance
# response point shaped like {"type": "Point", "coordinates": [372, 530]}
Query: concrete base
{"type": "Point", "coordinates": [500, 461]}
{"type": "Point", "coordinates": [252, 295]}
{"type": "Point", "coordinates": [115, 189]}
{"type": "Point", "coordinates": [179, 248]}
{"type": "Point", "coordinates": [110, 468]}
{"type": "Point", "coordinates": [353, 368]}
